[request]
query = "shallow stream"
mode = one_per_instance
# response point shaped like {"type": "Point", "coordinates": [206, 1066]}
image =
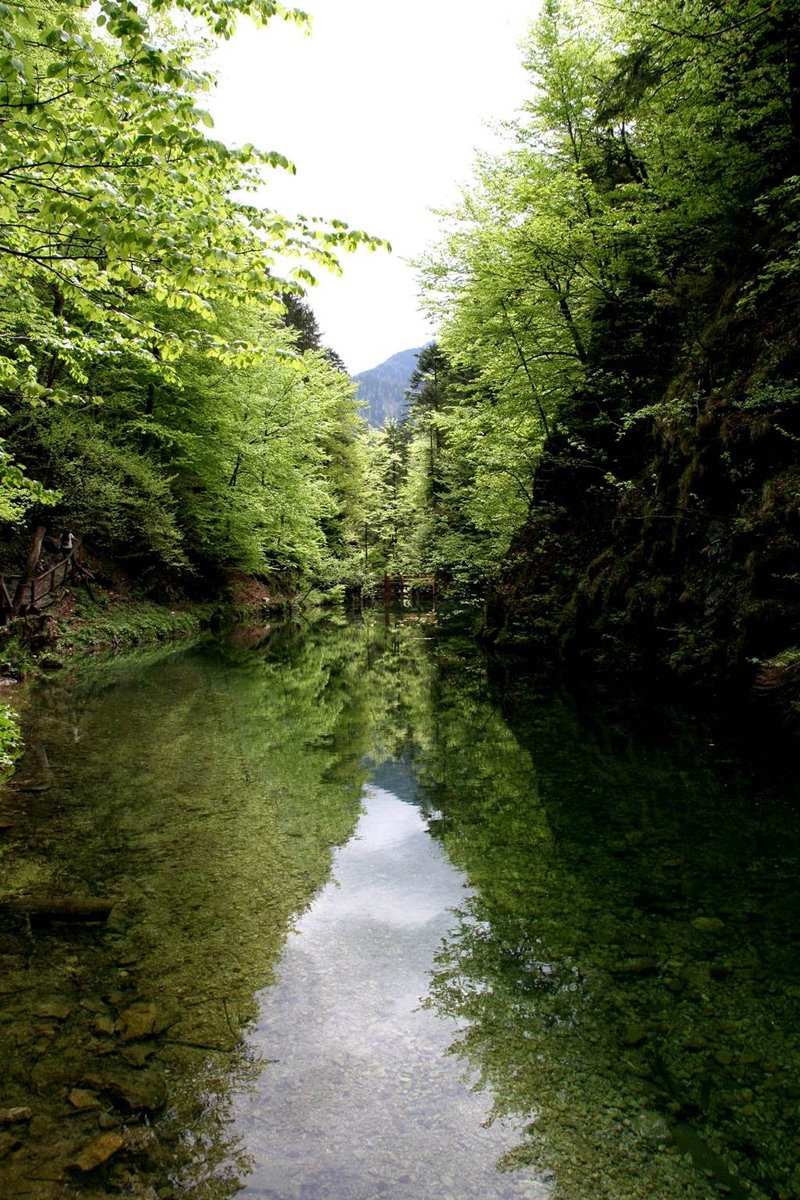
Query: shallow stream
{"type": "Point", "coordinates": [374, 923]}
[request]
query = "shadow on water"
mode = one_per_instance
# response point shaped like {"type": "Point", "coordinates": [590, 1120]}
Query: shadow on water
{"type": "Point", "coordinates": [627, 972]}
{"type": "Point", "coordinates": [622, 978]}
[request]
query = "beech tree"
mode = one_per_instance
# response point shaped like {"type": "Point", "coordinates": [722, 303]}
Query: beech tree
{"type": "Point", "coordinates": [117, 205]}
{"type": "Point", "coordinates": [658, 145]}
{"type": "Point", "coordinates": [537, 243]}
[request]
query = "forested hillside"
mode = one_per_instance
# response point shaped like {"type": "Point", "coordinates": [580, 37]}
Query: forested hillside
{"type": "Point", "coordinates": [605, 439]}
{"type": "Point", "coordinates": [382, 390]}
{"type": "Point", "coordinates": [163, 388]}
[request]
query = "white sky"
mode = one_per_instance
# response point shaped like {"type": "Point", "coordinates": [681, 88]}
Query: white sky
{"type": "Point", "coordinates": [381, 109]}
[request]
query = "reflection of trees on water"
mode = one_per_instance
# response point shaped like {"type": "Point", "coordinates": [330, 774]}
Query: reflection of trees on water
{"type": "Point", "coordinates": [205, 795]}
{"type": "Point", "coordinates": [617, 973]}
{"type": "Point", "coordinates": [622, 973]}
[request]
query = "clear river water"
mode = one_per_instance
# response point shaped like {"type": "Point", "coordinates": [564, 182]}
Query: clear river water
{"type": "Point", "coordinates": [376, 919]}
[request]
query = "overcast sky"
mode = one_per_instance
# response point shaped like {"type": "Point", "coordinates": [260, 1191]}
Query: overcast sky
{"type": "Point", "coordinates": [381, 109]}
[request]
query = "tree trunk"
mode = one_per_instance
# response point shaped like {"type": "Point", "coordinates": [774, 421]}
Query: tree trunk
{"type": "Point", "coordinates": [29, 568]}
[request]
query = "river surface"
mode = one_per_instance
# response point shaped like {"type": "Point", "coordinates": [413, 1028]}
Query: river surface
{"type": "Point", "coordinates": [379, 920]}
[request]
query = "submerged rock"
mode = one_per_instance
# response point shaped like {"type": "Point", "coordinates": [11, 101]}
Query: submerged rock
{"type": "Point", "coordinates": [109, 1121]}
{"type": "Point", "coordinates": [137, 1054]}
{"type": "Point", "coordinates": [54, 1010]}
{"type": "Point", "coordinates": [141, 1021]}
{"type": "Point", "coordinates": [637, 966]}
{"type": "Point", "coordinates": [99, 1151]}
{"type": "Point", "coordinates": [708, 924]}
{"type": "Point", "coordinates": [8, 1144]}
{"type": "Point", "coordinates": [143, 1091]}
{"type": "Point", "coordinates": [10, 1116]}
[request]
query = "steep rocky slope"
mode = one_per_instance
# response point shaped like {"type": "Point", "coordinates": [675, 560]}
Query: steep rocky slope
{"type": "Point", "coordinates": [664, 537]}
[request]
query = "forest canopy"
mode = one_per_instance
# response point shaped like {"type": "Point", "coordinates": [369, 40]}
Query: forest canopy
{"type": "Point", "coordinates": [152, 378]}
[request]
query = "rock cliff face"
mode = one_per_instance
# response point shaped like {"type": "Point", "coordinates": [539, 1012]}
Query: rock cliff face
{"type": "Point", "coordinates": [665, 530]}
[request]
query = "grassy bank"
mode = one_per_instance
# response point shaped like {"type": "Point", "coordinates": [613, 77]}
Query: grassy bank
{"type": "Point", "coordinates": [98, 627]}
{"type": "Point", "coordinates": [81, 625]}
{"type": "Point", "coordinates": [78, 626]}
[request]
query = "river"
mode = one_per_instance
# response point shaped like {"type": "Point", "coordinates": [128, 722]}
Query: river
{"type": "Point", "coordinates": [383, 922]}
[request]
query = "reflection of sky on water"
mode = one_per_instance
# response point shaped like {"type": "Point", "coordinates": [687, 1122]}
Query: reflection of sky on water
{"type": "Point", "coordinates": [397, 775]}
{"type": "Point", "coordinates": [362, 1102]}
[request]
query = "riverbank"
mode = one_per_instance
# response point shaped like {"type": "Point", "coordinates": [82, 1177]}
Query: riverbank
{"type": "Point", "coordinates": [77, 626]}
{"type": "Point", "coordinates": [80, 625]}
{"type": "Point", "coordinates": [111, 619]}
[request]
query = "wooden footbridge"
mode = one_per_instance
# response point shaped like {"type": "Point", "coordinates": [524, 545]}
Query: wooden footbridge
{"type": "Point", "coordinates": [35, 587]}
{"type": "Point", "coordinates": [399, 588]}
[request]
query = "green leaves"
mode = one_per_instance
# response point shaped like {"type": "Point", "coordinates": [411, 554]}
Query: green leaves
{"type": "Point", "coordinates": [130, 259]}
{"type": "Point", "coordinates": [10, 739]}
{"type": "Point", "coordinates": [109, 189]}
{"type": "Point", "coordinates": [17, 491]}
{"type": "Point", "coordinates": [657, 148]}
{"type": "Point", "coordinates": [525, 259]}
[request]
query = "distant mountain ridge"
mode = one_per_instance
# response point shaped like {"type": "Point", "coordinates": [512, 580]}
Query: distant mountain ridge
{"type": "Point", "coordinates": [382, 389]}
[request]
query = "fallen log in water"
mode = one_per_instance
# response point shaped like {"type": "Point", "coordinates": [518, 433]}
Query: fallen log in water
{"type": "Point", "coordinates": [58, 908]}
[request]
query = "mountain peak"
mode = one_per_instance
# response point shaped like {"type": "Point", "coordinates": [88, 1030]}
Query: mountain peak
{"type": "Point", "coordinates": [382, 389]}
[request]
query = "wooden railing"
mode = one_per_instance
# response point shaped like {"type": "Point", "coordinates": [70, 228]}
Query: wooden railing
{"type": "Point", "coordinates": [38, 591]}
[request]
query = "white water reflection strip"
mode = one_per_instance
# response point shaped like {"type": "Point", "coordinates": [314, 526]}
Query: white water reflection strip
{"type": "Point", "coordinates": [363, 1101]}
